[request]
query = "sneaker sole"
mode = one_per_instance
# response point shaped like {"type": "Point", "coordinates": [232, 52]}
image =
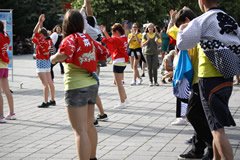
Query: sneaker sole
{"type": "Point", "coordinates": [103, 119]}
{"type": "Point", "coordinates": [181, 158]}
{"type": "Point", "coordinates": [43, 107]}
{"type": "Point", "coordinates": [10, 118]}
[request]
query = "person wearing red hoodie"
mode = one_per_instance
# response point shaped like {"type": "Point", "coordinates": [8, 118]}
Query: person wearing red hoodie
{"type": "Point", "coordinates": [117, 45]}
{"type": "Point", "coordinates": [4, 86]}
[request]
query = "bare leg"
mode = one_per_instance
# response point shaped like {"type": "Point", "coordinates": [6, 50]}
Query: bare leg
{"type": "Point", "coordinates": [51, 85]}
{"type": "Point", "coordinates": [216, 155]}
{"type": "Point", "coordinates": [78, 117]}
{"type": "Point", "coordinates": [43, 78]}
{"type": "Point", "coordinates": [121, 91]}
{"type": "Point", "coordinates": [6, 90]}
{"type": "Point", "coordinates": [131, 61]}
{"type": "Point", "coordinates": [99, 105]}
{"type": "Point", "coordinates": [1, 105]}
{"type": "Point", "coordinates": [92, 132]}
{"type": "Point", "coordinates": [135, 68]}
{"type": "Point", "coordinates": [223, 147]}
{"type": "Point", "coordinates": [144, 67]}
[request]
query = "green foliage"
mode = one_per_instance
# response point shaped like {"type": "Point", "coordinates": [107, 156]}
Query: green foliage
{"type": "Point", "coordinates": [26, 13]}
{"type": "Point", "coordinates": [142, 11]}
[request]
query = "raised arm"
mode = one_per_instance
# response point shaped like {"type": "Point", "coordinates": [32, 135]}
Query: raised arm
{"type": "Point", "coordinates": [39, 24]}
{"type": "Point", "coordinates": [87, 4]}
{"type": "Point", "coordinates": [104, 31]}
{"type": "Point", "coordinates": [172, 14]}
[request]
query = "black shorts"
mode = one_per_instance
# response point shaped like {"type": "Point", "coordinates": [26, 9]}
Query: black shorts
{"type": "Point", "coordinates": [215, 94]}
{"type": "Point", "coordinates": [118, 69]}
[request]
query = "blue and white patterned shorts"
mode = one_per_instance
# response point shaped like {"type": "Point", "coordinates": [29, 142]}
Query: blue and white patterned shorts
{"type": "Point", "coordinates": [43, 65]}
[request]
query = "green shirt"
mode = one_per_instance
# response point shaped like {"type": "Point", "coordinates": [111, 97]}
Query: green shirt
{"type": "Point", "coordinates": [76, 77]}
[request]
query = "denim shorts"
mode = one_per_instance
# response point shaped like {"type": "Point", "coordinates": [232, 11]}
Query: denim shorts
{"type": "Point", "coordinates": [215, 94]}
{"type": "Point", "coordinates": [81, 96]}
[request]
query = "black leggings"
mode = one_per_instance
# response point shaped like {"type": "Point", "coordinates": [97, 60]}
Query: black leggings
{"type": "Point", "coordinates": [61, 67]}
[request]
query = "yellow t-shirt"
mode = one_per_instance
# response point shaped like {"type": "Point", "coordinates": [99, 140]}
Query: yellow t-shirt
{"type": "Point", "coordinates": [151, 35]}
{"type": "Point", "coordinates": [206, 69]}
{"type": "Point", "coordinates": [173, 31]}
{"type": "Point", "coordinates": [133, 44]}
{"type": "Point", "coordinates": [3, 64]}
{"type": "Point", "coordinates": [193, 53]}
{"type": "Point", "coordinates": [75, 78]}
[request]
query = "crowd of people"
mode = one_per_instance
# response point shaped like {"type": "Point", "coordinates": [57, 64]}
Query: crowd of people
{"type": "Point", "coordinates": [84, 47]}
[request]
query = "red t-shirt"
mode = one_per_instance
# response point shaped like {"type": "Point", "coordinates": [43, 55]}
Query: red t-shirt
{"type": "Point", "coordinates": [43, 46]}
{"type": "Point", "coordinates": [82, 51]}
{"type": "Point", "coordinates": [117, 47]}
{"type": "Point", "coordinates": [4, 42]}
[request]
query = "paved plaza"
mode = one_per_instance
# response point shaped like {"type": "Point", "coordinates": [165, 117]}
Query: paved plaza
{"type": "Point", "coordinates": [142, 131]}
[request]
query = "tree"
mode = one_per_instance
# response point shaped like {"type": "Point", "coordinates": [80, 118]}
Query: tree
{"type": "Point", "coordinates": [142, 11]}
{"type": "Point", "coordinates": [26, 12]}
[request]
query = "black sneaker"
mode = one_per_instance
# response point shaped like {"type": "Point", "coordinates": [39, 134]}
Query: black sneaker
{"type": "Point", "coordinates": [156, 84]}
{"type": "Point", "coordinates": [43, 105]}
{"type": "Point", "coordinates": [52, 103]}
{"type": "Point", "coordinates": [190, 155]}
{"type": "Point", "coordinates": [103, 117]}
{"type": "Point", "coordinates": [96, 123]}
{"type": "Point", "coordinates": [163, 81]}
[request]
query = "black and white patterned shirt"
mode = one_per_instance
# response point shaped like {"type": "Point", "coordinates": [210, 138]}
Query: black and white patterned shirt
{"type": "Point", "coordinates": [217, 32]}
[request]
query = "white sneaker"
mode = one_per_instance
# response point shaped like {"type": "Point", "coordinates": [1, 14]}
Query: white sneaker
{"type": "Point", "coordinates": [139, 81]}
{"type": "Point", "coordinates": [179, 121]}
{"type": "Point", "coordinates": [133, 83]}
{"type": "Point", "coordinates": [11, 117]}
{"type": "Point", "coordinates": [150, 84]}
{"type": "Point", "coordinates": [120, 105]}
{"type": "Point", "coordinates": [2, 120]}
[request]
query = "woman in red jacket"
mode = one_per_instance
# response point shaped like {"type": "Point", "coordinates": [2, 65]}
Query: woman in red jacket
{"type": "Point", "coordinates": [117, 45]}
{"type": "Point", "coordinates": [4, 86]}
{"type": "Point", "coordinates": [43, 46]}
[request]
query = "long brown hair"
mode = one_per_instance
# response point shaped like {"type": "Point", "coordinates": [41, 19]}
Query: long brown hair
{"type": "Point", "coordinates": [72, 23]}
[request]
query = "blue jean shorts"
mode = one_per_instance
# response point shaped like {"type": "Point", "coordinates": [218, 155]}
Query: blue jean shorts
{"type": "Point", "coordinates": [81, 96]}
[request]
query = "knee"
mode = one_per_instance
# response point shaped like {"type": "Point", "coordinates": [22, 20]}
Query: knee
{"type": "Point", "coordinates": [218, 133]}
{"type": "Point", "coordinates": [80, 131]}
{"type": "Point", "coordinates": [45, 85]}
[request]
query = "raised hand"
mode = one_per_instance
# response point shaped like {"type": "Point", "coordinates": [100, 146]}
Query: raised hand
{"type": "Point", "coordinates": [172, 14]}
{"type": "Point", "coordinates": [41, 18]}
{"type": "Point", "coordinates": [103, 28]}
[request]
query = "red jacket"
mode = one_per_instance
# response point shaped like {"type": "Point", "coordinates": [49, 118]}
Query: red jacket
{"type": "Point", "coordinates": [4, 42]}
{"type": "Point", "coordinates": [117, 47]}
{"type": "Point", "coordinates": [43, 46]}
{"type": "Point", "coordinates": [82, 51]}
